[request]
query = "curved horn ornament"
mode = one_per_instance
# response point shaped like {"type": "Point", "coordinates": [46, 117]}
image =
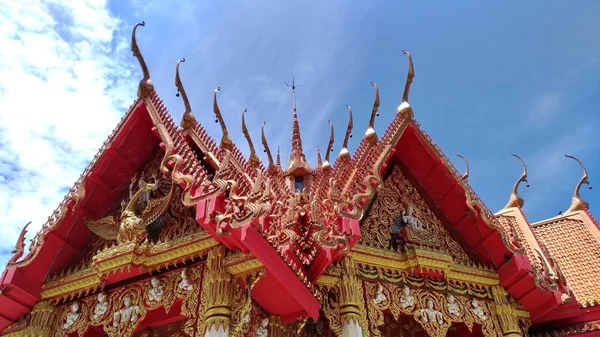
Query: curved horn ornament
{"type": "Point", "coordinates": [326, 164]}
{"type": "Point", "coordinates": [266, 147]}
{"type": "Point", "coordinates": [145, 87]}
{"type": "Point", "coordinates": [253, 159]}
{"type": "Point", "coordinates": [515, 199]}
{"type": "Point", "coordinates": [371, 135]}
{"type": "Point", "coordinates": [188, 120]}
{"type": "Point", "coordinates": [226, 142]}
{"type": "Point", "coordinates": [465, 176]}
{"type": "Point", "coordinates": [344, 154]}
{"type": "Point", "coordinates": [577, 203]}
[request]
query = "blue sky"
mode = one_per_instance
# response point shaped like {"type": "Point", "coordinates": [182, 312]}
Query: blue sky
{"type": "Point", "coordinates": [491, 78]}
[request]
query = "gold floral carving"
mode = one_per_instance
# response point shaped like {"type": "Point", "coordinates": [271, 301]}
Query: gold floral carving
{"type": "Point", "coordinates": [43, 318]}
{"type": "Point", "coordinates": [507, 315]}
{"type": "Point", "coordinates": [394, 197]}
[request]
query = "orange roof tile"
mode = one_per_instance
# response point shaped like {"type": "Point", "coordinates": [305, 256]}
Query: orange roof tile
{"type": "Point", "coordinates": [573, 241]}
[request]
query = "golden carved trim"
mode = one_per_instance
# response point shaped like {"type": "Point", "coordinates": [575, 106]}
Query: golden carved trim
{"type": "Point", "coordinates": [81, 282]}
{"type": "Point", "coordinates": [328, 281]}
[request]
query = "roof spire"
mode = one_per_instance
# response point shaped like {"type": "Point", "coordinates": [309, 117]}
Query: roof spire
{"type": "Point", "coordinates": [253, 160]}
{"type": "Point", "coordinates": [297, 159]}
{"type": "Point", "coordinates": [515, 199]}
{"type": "Point", "coordinates": [146, 87]}
{"type": "Point", "coordinates": [226, 142]}
{"type": "Point", "coordinates": [278, 160]}
{"type": "Point", "coordinates": [187, 121]}
{"type": "Point", "coordinates": [577, 203]}
{"type": "Point", "coordinates": [326, 164]}
{"type": "Point", "coordinates": [409, 77]}
{"type": "Point", "coordinates": [465, 176]}
{"type": "Point", "coordinates": [266, 146]}
{"type": "Point", "coordinates": [319, 160]}
{"type": "Point", "coordinates": [344, 154]}
{"type": "Point", "coordinates": [371, 135]}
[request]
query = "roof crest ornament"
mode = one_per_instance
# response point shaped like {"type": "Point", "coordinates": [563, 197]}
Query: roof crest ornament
{"type": "Point", "coordinates": [465, 176]}
{"type": "Point", "coordinates": [515, 199]}
{"type": "Point", "coordinates": [188, 119]}
{"type": "Point", "coordinates": [253, 160]}
{"type": "Point", "coordinates": [577, 202]}
{"type": "Point", "coordinates": [371, 135]}
{"type": "Point", "coordinates": [326, 164]}
{"type": "Point", "coordinates": [344, 154]}
{"type": "Point", "coordinates": [409, 77]}
{"type": "Point", "coordinates": [278, 162]}
{"type": "Point", "coordinates": [226, 142]}
{"type": "Point", "coordinates": [266, 146]}
{"type": "Point", "coordinates": [145, 87]}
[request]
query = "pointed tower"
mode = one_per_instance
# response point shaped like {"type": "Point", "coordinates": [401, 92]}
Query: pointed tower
{"type": "Point", "coordinates": [298, 173]}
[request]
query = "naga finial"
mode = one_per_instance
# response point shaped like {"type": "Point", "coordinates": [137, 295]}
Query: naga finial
{"type": "Point", "coordinates": [146, 87]}
{"type": "Point", "coordinates": [465, 176]}
{"type": "Point", "coordinates": [187, 121]}
{"type": "Point", "coordinates": [344, 154]}
{"type": "Point", "coordinates": [577, 203]}
{"type": "Point", "coordinates": [326, 164]}
{"type": "Point", "coordinates": [266, 146]}
{"type": "Point", "coordinates": [253, 160]}
{"type": "Point", "coordinates": [409, 77]}
{"type": "Point", "coordinates": [371, 135]}
{"type": "Point", "coordinates": [19, 246]}
{"type": "Point", "coordinates": [515, 199]}
{"type": "Point", "coordinates": [226, 142]}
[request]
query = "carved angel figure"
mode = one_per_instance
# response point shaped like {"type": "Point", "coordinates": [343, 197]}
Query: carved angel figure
{"type": "Point", "coordinates": [262, 331]}
{"type": "Point", "coordinates": [129, 226]}
{"type": "Point", "coordinates": [379, 296]}
{"type": "Point", "coordinates": [157, 291]}
{"type": "Point", "coordinates": [406, 300]}
{"type": "Point", "coordinates": [478, 310]}
{"type": "Point", "coordinates": [185, 284]}
{"type": "Point", "coordinates": [452, 306]}
{"type": "Point", "coordinates": [404, 220]}
{"type": "Point", "coordinates": [72, 316]}
{"type": "Point", "coordinates": [128, 314]}
{"type": "Point", "coordinates": [430, 315]}
{"type": "Point", "coordinates": [100, 308]}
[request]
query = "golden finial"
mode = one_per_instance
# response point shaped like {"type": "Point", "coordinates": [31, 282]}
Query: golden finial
{"type": "Point", "coordinates": [409, 77]}
{"type": "Point", "coordinates": [253, 160]}
{"type": "Point", "coordinates": [226, 142]}
{"type": "Point", "coordinates": [326, 164]}
{"type": "Point", "coordinates": [266, 146]}
{"type": "Point", "coordinates": [319, 161]}
{"type": "Point", "coordinates": [278, 162]}
{"type": "Point", "coordinates": [465, 176]}
{"type": "Point", "coordinates": [344, 154]}
{"type": "Point", "coordinates": [188, 120]}
{"type": "Point", "coordinates": [371, 135]}
{"type": "Point", "coordinates": [577, 203]}
{"type": "Point", "coordinates": [515, 199]}
{"type": "Point", "coordinates": [146, 87]}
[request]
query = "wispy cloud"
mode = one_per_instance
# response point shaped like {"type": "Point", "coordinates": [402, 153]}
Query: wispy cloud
{"type": "Point", "coordinates": [544, 109]}
{"type": "Point", "coordinates": [63, 85]}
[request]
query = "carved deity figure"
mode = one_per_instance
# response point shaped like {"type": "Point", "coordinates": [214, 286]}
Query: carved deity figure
{"type": "Point", "coordinates": [379, 296]}
{"type": "Point", "coordinates": [128, 314]}
{"type": "Point", "coordinates": [262, 331]}
{"type": "Point", "coordinates": [101, 307]}
{"type": "Point", "coordinates": [72, 316]}
{"type": "Point", "coordinates": [430, 315]}
{"type": "Point", "coordinates": [157, 291]}
{"type": "Point", "coordinates": [452, 306]}
{"type": "Point", "coordinates": [405, 219]}
{"type": "Point", "coordinates": [406, 300]}
{"type": "Point", "coordinates": [246, 318]}
{"type": "Point", "coordinates": [478, 310]}
{"type": "Point", "coordinates": [143, 185]}
{"type": "Point", "coordinates": [185, 284]}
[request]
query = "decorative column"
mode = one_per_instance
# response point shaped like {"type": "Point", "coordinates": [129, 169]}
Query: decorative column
{"type": "Point", "coordinates": [42, 320]}
{"type": "Point", "coordinates": [509, 321]}
{"type": "Point", "coordinates": [217, 296]}
{"type": "Point", "coordinates": [351, 301]}
{"type": "Point", "coordinates": [276, 328]}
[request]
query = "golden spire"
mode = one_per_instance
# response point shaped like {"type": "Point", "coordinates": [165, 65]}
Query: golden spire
{"type": "Point", "coordinates": [297, 158]}
{"type": "Point", "coordinates": [371, 135]}
{"type": "Point", "coordinates": [226, 142]}
{"type": "Point", "coordinates": [515, 199]}
{"type": "Point", "coordinates": [146, 87]}
{"type": "Point", "coordinates": [188, 120]}
{"type": "Point", "coordinates": [577, 203]}
{"type": "Point", "coordinates": [326, 164]}
{"type": "Point", "coordinates": [266, 146]}
{"type": "Point", "coordinates": [253, 160]}
{"type": "Point", "coordinates": [465, 176]}
{"type": "Point", "coordinates": [319, 161]}
{"type": "Point", "coordinates": [344, 154]}
{"type": "Point", "coordinates": [409, 77]}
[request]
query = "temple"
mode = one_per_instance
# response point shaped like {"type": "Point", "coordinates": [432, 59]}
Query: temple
{"type": "Point", "coordinates": [168, 232]}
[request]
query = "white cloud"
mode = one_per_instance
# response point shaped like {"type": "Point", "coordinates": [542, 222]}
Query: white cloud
{"type": "Point", "coordinates": [65, 80]}
{"type": "Point", "coordinates": [545, 108]}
